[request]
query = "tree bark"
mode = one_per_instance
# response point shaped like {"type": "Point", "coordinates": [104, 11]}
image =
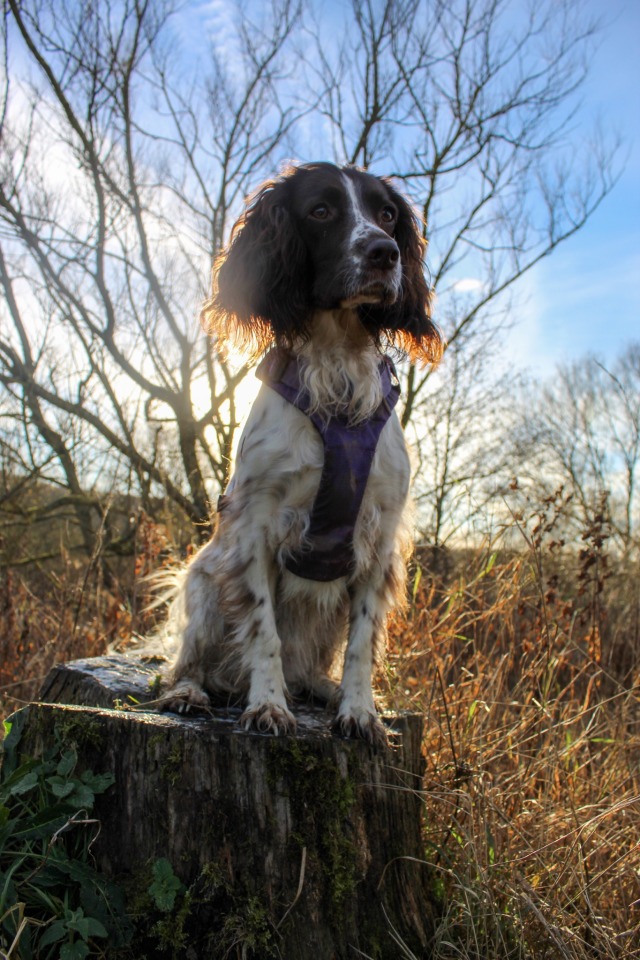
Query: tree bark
{"type": "Point", "coordinates": [305, 846]}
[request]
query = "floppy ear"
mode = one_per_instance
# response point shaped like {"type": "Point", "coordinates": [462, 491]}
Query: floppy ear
{"type": "Point", "coordinates": [407, 322]}
{"type": "Point", "coordinates": [261, 280]}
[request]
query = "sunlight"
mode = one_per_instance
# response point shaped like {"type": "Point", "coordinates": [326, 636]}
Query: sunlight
{"type": "Point", "coordinates": [245, 395]}
{"type": "Point", "coordinates": [243, 399]}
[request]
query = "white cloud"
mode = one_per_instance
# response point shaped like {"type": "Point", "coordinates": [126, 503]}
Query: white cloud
{"type": "Point", "coordinates": [468, 285]}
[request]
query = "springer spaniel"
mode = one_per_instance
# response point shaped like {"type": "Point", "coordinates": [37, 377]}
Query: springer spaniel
{"type": "Point", "coordinates": [324, 266]}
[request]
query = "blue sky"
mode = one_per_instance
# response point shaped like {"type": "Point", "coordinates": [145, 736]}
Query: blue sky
{"type": "Point", "coordinates": [586, 297]}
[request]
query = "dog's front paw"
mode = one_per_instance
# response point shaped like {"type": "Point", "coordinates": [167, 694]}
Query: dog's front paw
{"type": "Point", "coordinates": [186, 696]}
{"type": "Point", "coordinates": [362, 724]}
{"type": "Point", "coordinates": [268, 718]}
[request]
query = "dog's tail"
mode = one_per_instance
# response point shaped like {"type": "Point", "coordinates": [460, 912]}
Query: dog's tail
{"type": "Point", "coordinates": [165, 588]}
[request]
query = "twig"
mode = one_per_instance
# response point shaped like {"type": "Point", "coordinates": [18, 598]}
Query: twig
{"type": "Point", "coordinates": [303, 865]}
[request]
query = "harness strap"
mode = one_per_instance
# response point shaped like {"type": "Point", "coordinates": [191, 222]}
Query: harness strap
{"type": "Point", "coordinates": [348, 454]}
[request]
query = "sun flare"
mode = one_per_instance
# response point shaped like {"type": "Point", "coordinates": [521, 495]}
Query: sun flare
{"type": "Point", "coordinates": [231, 410]}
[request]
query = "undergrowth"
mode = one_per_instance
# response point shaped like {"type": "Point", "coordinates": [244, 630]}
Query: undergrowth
{"type": "Point", "coordinates": [53, 904]}
{"type": "Point", "coordinates": [527, 669]}
{"type": "Point", "coordinates": [53, 613]}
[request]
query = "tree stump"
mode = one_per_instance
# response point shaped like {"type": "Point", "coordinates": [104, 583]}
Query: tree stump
{"type": "Point", "coordinates": [305, 846]}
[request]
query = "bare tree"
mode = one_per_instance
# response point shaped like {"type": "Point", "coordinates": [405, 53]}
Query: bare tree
{"type": "Point", "coordinates": [116, 182]}
{"type": "Point", "coordinates": [122, 166]}
{"type": "Point", "coordinates": [583, 431]}
{"type": "Point", "coordinates": [463, 430]}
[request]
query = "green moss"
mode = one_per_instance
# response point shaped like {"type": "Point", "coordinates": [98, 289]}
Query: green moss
{"type": "Point", "coordinates": [171, 931]}
{"type": "Point", "coordinates": [152, 743]}
{"type": "Point", "coordinates": [174, 760]}
{"type": "Point", "coordinates": [233, 919]}
{"type": "Point", "coordinates": [136, 888]}
{"type": "Point", "coordinates": [80, 730]}
{"type": "Point", "coordinates": [252, 927]}
{"type": "Point", "coordinates": [322, 801]}
{"type": "Point", "coordinates": [212, 878]}
{"type": "Point", "coordinates": [172, 766]}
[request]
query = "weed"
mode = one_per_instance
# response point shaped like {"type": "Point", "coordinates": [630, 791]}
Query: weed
{"type": "Point", "coordinates": [53, 903]}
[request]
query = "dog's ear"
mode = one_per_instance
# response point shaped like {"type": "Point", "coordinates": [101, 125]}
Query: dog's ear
{"type": "Point", "coordinates": [408, 321]}
{"type": "Point", "coordinates": [261, 281]}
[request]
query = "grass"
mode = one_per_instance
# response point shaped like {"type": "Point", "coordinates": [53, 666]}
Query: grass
{"type": "Point", "coordinates": [56, 612]}
{"type": "Point", "coordinates": [527, 670]}
{"type": "Point", "coordinates": [526, 666]}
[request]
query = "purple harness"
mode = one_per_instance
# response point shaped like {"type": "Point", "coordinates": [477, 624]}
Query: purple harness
{"type": "Point", "coordinates": [348, 455]}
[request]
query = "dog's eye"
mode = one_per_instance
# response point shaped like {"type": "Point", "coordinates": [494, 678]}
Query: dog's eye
{"type": "Point", "coordinates": [320, 212]}
{"type": "Point", "coordinates": [388, 214]}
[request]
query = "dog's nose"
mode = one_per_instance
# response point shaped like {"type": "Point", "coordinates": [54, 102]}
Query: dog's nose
{"type": "Point", "coordinates": [382, 253]}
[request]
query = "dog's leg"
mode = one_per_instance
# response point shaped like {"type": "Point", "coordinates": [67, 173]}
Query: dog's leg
{"type": "Point", "coordinates": [185, 696]}
{"type": "Point", "coordinates": [357, 715]}
{"type": "Point", "coordinates": [194, 615]}
{"type": "Point", "coordinates": [257, 637]}
{"type": "Point", "coordinates": [370, 602]}
{"type": "Point", "coordinates": [186, 693]}
{"type": "Point", "coordinates": [322, 687]}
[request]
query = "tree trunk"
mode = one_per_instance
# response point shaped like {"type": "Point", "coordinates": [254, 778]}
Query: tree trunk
{"type": "Point", "coordinates": [305, 846]}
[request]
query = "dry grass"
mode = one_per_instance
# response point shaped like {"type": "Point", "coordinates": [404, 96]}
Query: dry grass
{"type": "Point", "coordinates": [532, 794]}
{"type": "Point", "coordinates": [74, 608]}
{"type": "Point", "coordinates": [527, 670]}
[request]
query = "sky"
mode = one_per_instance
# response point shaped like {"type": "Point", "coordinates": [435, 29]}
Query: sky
{"type": "Point", "coordinates": [585, 298]}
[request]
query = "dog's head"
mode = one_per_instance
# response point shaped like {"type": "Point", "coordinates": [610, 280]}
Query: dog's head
{"type": "Point", "coordinates": [321, 237]}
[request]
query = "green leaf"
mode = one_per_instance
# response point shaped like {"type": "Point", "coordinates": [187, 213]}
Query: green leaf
{"type": "Point", "coordinates": [416, 584]}
{"type": "Point", "coordinates": [98, 782]}
{"type": "Point", "coordinates": [74, 951]}
{"type": "Point", "coordinates": [104, 901]}
{"type": "Point", "coordinates": [491, 847]}
{"type": "Point", "coordinates": [95, 928]}
{"type": "Point", "coordinates": [17, 775]}
{"type": "Point", "coordinates": [45, 823]}
{"type": "Point", "coordinates": [165, 886]}
{"type": "Point", "coordinates": [10, 907]}
{"type": "Point", "coordinates": [67, 763]}
{"type": "Point", "coordinates": [490, 564]}
{"type": "Point", "coordinates": [61, 787]}
{"type": "Point", "coordinates": [56, 932]}
{"type": "Point", "coordinates": [88, 927]}
{"type": "Point", "coordinates": [81, 873]}
{"type": "Point", "coordinates": [25, 784]}
{"type": "Point", "coordinates": [13, 726]}
{"type": "Point", "coordinates": [82, 797]}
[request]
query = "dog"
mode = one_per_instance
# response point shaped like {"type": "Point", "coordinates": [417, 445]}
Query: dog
{"type": "Point", "coordinates": [324, 269]}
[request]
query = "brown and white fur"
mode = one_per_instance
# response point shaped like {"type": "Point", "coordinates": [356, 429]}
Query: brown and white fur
{"type": "Point", "coordinates": [327, 262]}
